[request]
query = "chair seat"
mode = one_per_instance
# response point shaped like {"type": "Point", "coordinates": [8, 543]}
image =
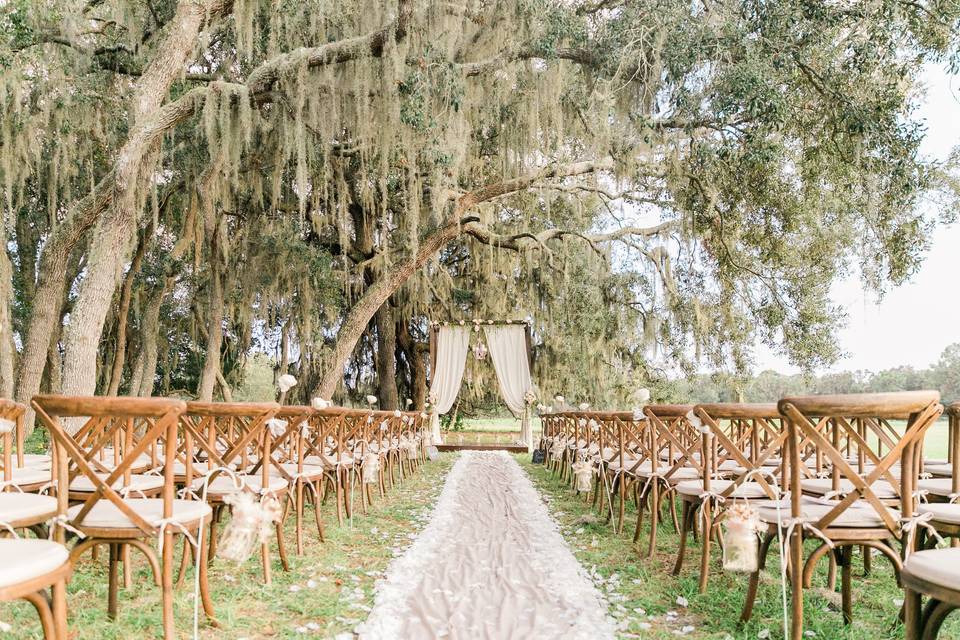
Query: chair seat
{"type": "Point", "coordinates": [329, 461]}
{"type": "Point", "coordinates": [106, 515]}
{"type": "Point", "coordinates": [310, 472]}
{"type": "Point", "coordinates": [941, 487]}
{"type": "Point", "coordinates": [859, 515]}
{"type": "Point", "coordinates": [36, 460]}
{"type": "Point", "coordinates": [942, 512]}
{"type": "Point", "coordinates": [138, 482]}
{"type": "Point", "coordinates": [18, 507]}
{"type": "Point", "coordinates": [28, 476]}
{"type": "Point", "coordinates": [745, 490]}
{"type": "Point", "coordinates": [224, 484]}
{"type": "Point", "coordinates": [939, 470]}
{"type": "Point", "coordinates": [629, 463]}
{"type": "Point", "coordinates": [683, 473]}
{"type": "Point", "coordinates": [940, 567]}
{"type": "Point", "coordinates": [22, 560]}
{"type": "Point", "coordinates": [821, 486]}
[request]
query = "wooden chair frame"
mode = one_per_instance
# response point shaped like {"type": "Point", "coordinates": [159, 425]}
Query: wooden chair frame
{"type": "Point", "coordinates": [159, 418]}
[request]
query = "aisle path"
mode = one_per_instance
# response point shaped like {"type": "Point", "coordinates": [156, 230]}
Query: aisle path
{"type": "Point", "coordinates": [490, 564]}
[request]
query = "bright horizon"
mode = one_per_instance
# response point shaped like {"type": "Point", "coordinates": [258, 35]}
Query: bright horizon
{"type": "Point", "coordinates": [884, 334]}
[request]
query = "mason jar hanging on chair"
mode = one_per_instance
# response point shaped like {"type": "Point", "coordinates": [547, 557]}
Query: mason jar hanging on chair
{"type": "Point", "coordinates": [741, 550]}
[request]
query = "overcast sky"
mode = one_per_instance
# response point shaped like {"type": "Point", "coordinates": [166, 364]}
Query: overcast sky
{"type": "Point", "coordinates": [890, 332]}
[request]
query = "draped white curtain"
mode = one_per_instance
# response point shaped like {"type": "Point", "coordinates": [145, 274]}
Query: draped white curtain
{"type": "Point", "coordinates": [507, 344]}
{"type": "Point", "coordinates": [453, 342]}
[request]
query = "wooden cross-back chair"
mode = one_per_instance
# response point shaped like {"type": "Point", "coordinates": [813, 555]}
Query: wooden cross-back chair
{"type": "Point", "coordinates": [859, 514]}
{"type": "Point", "coordinates": [620, 449]}
{"type": "Point", "coordinates": [674, 449]}
{"type": "Point", "coordinates": [32, 570]}
{"type": "Point", "coordinates": [19, 508]}
{"type": "Point", "coordinates": [558, 429]}
{"type": "Point", "coordinates": [106, 517]}
{"type": "Point", "coordinates": [288, 456]}
{"type": "Point", "coordinates": [326, 447]}
{"type": "Point", "coordinates": [21, 471]}
{"type": "Point", "coordinates": [741, 449]}
{"type": "Point", "coordinates": [932, 572]}
{"type": "Point", "coordinates": [939, 486]}
{"type": "Point", "coordinates": [235, 440]}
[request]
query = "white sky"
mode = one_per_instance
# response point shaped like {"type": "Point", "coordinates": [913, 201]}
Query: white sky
{"type": "Point", "coordinates": [889, 333]}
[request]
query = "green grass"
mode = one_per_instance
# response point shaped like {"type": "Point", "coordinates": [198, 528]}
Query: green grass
{"type": "Point", "coordinates": [642, 590]}
{"type": "Point", "coordinates": [331, 585]}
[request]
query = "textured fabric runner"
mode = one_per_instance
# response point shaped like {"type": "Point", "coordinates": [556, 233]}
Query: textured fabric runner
{"type": "Point", "coordinates": [490, 564]}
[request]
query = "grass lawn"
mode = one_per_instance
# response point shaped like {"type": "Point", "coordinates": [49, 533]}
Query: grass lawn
{"type": "Point", "coordinates": [329, 588]}
{"type": "Point", "coordinates": [642, 593]}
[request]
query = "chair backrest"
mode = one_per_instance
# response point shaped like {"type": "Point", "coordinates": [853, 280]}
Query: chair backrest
{"type": "Point", "coordinates": [839, 425]}
{"type": "Point", "coordinates": [953, 444]}
{"type": "Point", "coordinates": [133, 426]}
{"type": "Point", "coordinates": [749, 437]}
{"type": "Point", "coordinates": [673, 439]}
{"type": "Point", "coordinates": [230, 434]}
{"type": "Point", "coordinates": [11, 429]}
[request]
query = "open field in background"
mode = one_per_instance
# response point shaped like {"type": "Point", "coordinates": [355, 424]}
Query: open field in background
{"type": "Point", "coordinates": [644, 596]}
{"type": "Point", "coordinates": [327, 591]}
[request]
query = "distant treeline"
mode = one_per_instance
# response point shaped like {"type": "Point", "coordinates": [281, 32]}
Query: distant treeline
{"type": "Point", "coordinates": [769, 386]}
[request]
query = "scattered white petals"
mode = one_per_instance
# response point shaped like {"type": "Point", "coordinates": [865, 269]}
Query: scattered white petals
{"type": "Point", "coordinates": [681, 601]}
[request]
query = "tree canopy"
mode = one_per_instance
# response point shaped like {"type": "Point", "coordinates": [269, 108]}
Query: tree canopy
{"type": "Point", "coordinates": [653, 184]}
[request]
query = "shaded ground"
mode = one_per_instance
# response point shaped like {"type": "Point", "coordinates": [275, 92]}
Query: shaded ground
{"type": "Point", "coordinates": [644, 596]}
{"type": "Point", "coordinates": [328, 590]}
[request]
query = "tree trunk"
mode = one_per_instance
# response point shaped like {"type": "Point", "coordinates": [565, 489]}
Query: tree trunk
{"type": "Point", "coordinates": [414, 352]}
{"type": "Point", "coordinates": [145, 376]}
{"type": "Point", "coordinates": [113, 233]}
{"type": "Point", "coordinates": [211, 362]}
{"type": "Point", "coordinates": [387, 358]}
{"type": "Point", "coordinates": [373, 298]}
{"type": "Point", "coordinates": [120, 352]}
{"type": "Point", "coordinates": [7, 350]}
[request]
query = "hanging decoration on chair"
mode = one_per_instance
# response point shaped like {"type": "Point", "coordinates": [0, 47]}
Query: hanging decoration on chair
{"type": "Point", "coordinates": [252, 524]}
{"type": "Point", "coordinates": [583, 471]}
{"type": "Point", "coordinates": [741, 545]}
{"type": "Point", "coordinates": [371, 467]}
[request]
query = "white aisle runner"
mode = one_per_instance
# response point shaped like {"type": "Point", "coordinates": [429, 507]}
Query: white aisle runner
{"type": "Point", "coordinates": [490, 564]}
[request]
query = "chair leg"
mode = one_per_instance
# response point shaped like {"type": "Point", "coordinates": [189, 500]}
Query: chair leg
{"type": "Point", "coordinates": [112, 582]}
{"type": "Point", "coordinates": [265, 563]}
{"type": "Point", "coordinates": [641, 505]}
{"type": "Point", "coordinates": [316, 513]}
{"type": "Point", "coordinates": [705, 545]}
{"type": "Point", "coordinates": [60, 609]}
{"type": "Point", "coordinates": [911, 609]}
{"type": "Point", "coordinates": [796, 578]}
{"type": "Point", "coordinates": [39, 602]}
{"type": "Point", "coordinates": [846, 584]}
{"type": "Point", "coordinates": [281, 547]}
{"type": "Point", "coordinates": [654, 516]}
{"type": "Point", "coordinates": [299, 512]}
{"type": "Point", "coordinates": [205, 598]}
{"type": "Point", "coordinates": [166, 570]}
{"type": "Point", "coordinates": [127, 569]}
{"type": "Point", "coordinates": [682, 547]}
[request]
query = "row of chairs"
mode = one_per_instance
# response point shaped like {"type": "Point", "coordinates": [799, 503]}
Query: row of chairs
{"type": "Point", "coordinates": [141, 475]}
{"type": "Point", "coordinates": [847, 471]}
